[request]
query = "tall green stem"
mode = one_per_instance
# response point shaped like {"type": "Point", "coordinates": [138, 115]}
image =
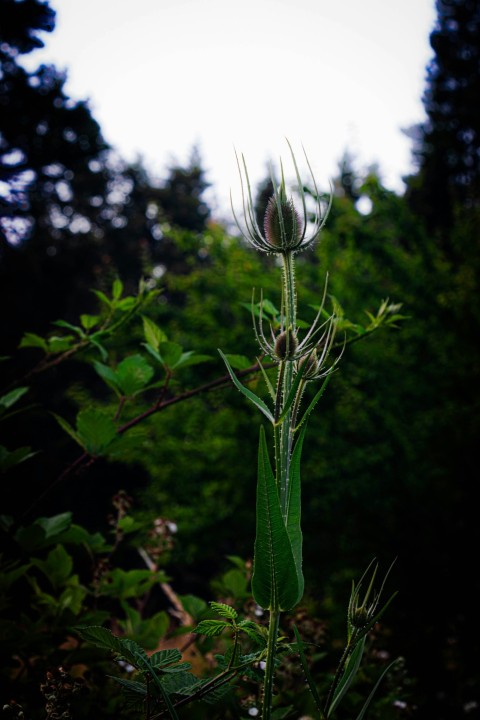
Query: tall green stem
{"type": "Point", "coordinates": [270, 664]}
{"type": "Point", "coordinates": [283, 436]}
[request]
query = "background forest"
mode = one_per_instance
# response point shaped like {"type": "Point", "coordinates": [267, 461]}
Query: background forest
{"type": "Point", "coordinates": [390, 468]}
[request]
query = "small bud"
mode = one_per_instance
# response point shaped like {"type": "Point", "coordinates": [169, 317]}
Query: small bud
{"type": "Point", "coordinates": [360, 617]}
{"type": "Point", "coordinates": [292, 225]}
{"type": "Point", "coordinates": [286, 345]}
{"type": "Point", "coordinates": [312, 366]}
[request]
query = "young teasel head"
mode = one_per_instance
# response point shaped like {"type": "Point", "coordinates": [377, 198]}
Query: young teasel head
{"type": "Point", "coordinates": [285, 229]}
{"type": "Point", "coordinates": [310, 353]}
{"type": "Point", "coordinates": [364, 612]}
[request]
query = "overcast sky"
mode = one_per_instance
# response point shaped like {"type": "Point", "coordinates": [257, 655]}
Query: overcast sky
{"type": "Point", "coordinates": [163, 75]}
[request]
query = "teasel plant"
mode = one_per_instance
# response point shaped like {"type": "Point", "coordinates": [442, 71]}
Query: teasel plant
{"type": "Point", "coordinates": [301, 358]}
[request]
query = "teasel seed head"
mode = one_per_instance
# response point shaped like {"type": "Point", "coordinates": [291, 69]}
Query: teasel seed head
{"type": "Point", "coordinates": [282, 224]}
{"type": "Point", "coordinates": [286, 345]}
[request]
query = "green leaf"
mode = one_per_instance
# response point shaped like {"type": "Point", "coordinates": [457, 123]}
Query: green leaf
{"type": "Point", "coordinates": [274, 582]}
{"type": "Point", "coordinates": [374, 690]}
{"type": "Point", "coordinates": [130, 685]}
{"type": "Point", "coordinates": [107, 374]}
{"type": "Point", "coordinates": [191, 358]}
{"type": "Point", "coordinates": [58, 344]}
{"type": "Point", "coordinates": [117, 289]}
{"type": "Point", "coordinates": [103, 298]}
{"type": "Point", "coordinates": [211, 628]}
{"type": "Point", "coordinates": [245, 391]}
{"type": "Point", "coordinates": [53, 526]}
{"type": "Point", "coordinates": [153, 334]}
{"type": "Point", "coordinates": [224, 610]}
{"type": "Point", "coordinates": [235, 583]}
{"type": "Point", "coordinates": [193, 605]}
{"type": "Point", "coordinates": [89, 321]}
{"type": "Point", "coordinates": [294, 509]}
{"type": "Point", "coordinates": [32, 340]}
{"type": "Point", "coordinates": [12, 397]}
{"type": "Point", "coordinates": [68, 429]}
{"type": "Point", "coordinates": [123, 584]}
{"type": "Point", "coordinates": [348, 676]}
{"type": "Point", "coordinates": [170, 353]}
{"type": "Point", "coordinates": [257, 633]}
{"type": "Point", "coordinates": [96, 430]}
{"type": "Point", "coordinates": [57, 567]}
{"type": "Point", "coordinates": [127, 649]}
{"type": "Point", "coordinates": [10, 458]}
{"type": "Point", "coordinates": [64, 324]}
{"type": "Point", "coordinates": [133, 374]}
{"type": "Point", "coordinates": [239, 362]}
{"type": "Point", "coordinates": [163, 658]}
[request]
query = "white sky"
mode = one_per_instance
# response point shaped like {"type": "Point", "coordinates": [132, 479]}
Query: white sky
{"type": "Point", "coordinates": [162, 75]}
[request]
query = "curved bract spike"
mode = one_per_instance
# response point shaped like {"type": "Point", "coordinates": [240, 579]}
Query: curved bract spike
{"type": "Point", "coordinates": [285, 230]}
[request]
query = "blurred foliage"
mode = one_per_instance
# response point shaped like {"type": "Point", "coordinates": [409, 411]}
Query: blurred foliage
{"type": "Point", "coordinates": [390, 466]}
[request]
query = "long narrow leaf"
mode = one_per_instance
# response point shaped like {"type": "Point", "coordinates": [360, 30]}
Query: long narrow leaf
{"type": "Point", "coordinates": [293, 523]}
{"type": "Point", "coordinates": [274, 581]}
{"type": "Point", "coordinates": [306, 672]}
{"type": "Point", "coordinates": [348, 676]}
{"type": "Point", "coordinates": [245, 391]}
{"type": "Point", "coordinates": [374, 690]}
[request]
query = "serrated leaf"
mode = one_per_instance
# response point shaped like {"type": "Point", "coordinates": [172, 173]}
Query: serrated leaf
{"type": "Point", "coordinates": [127, 649]}
{"type": "Point", "coordinates": [274, 581]}
{"type": "Point", "coordinates": [133, 374]}
{"type": "Point", "coordinates": [165, 657]}
{"type": "Point", "coordinates": [152, 333]}
{"type": "Point", "coordinates": [245, 391]}
{"type": "Point", "coordinates": [255, 632]}
{"type": "Point", "coordinates": [224, 610]}
{"type": "Point", "coordinates": [130, 685]}
{"type": "Point", "coordinates": [211, 628]}
{"type": "Point", "coordinates": [6, 401]}
{"type": "Point", "coordinates": [96, 430]}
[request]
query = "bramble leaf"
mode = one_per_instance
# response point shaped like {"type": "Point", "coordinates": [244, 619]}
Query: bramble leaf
{"type": "Point", "coordinates": [96, 430]}
{"type": "Point", "coordinates": [133, 374]}
{"type": "Point", "coordinates": [224, 610]}
{"type": "Point", "coordinates": [211, 628]}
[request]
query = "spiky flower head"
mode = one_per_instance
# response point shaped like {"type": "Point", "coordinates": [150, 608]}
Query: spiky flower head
{"type": "Point", "coordinates": [282, 224]}
{"type": "Point", "coordinates": [286, 345]}
{"type": "Point", "coordinates": [285, 229]}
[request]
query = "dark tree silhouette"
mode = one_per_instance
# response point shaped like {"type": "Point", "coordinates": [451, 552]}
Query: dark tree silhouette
{"type": "Point", "coordinates": [447, 145]}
